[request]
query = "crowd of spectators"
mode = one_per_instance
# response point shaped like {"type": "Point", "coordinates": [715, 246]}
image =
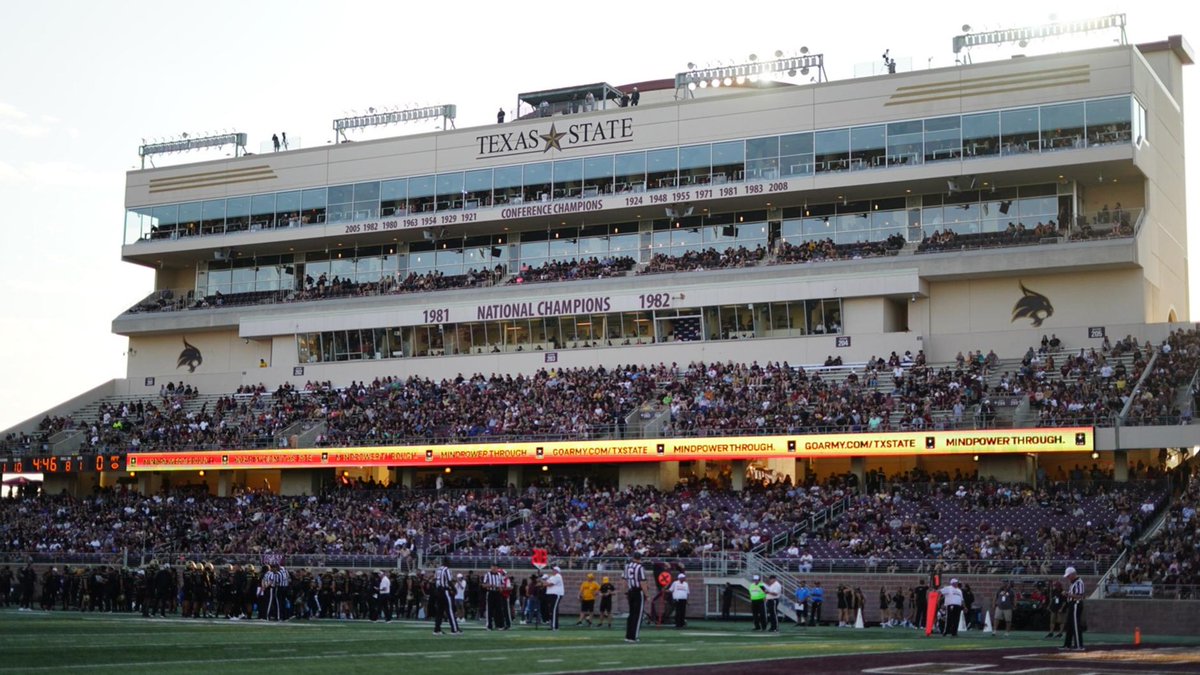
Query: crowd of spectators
{"type": "Point", "coordinates": [962, 526]}
{"type": "Point", "coordinates": [1016, 234]}
{"type": "Point", "coordinates": [899, 393]}
{"type": "Point", "coordinates": [188, 521]}
{"type": "Point", "coordinates": [1170, 561]}
{"type": "Point", "coordinates": [985, 527]}
{"type": "Point", "coordinates": [573, 403]}
{"type": "Point", "coordinates": [590, 268]}
{"type": "Point", "coordinates": [825, 249]}
{"type": "Point", "coordinates": [1159, 395]}
{"type": "Point", "coordinates": [707, 259]}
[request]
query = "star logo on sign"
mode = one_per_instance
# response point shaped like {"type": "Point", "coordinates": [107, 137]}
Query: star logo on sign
{"type": "Point", "coordinates": [552, 139]}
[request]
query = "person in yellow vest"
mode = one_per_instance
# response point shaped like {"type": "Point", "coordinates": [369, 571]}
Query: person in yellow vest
{"type": "Point", "coordinates": [758, 602]}
{"type": "Point", "coordinates": [587, 599]}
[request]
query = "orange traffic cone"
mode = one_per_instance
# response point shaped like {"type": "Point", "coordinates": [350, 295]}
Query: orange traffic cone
{"type": "Point", "coordinates": [1137, 635]}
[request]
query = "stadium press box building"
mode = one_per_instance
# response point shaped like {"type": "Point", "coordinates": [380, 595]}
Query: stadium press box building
{"type": "Point", "coordinates": [972, 207]}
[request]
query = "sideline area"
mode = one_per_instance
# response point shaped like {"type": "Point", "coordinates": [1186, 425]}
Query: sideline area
{"type": "Point", "coordinates": [57, 641]}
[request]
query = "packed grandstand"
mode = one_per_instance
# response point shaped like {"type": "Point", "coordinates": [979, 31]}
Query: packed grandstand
{"type": "Point", "coordinates": [901, 334]}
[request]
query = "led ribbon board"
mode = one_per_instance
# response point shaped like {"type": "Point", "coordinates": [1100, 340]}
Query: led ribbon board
{"type": "Point", "coordinates": [969, 442]}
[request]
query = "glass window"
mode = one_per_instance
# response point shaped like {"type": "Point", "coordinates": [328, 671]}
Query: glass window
{"type": "Point", "coordinates": [478, 188]}
{"type": "Point", "coordinates": [597, 175]}
{"type": "Point", "coordinates": [694, 164]}
{"type": "Point", "coordinates": [237, 214]}
{"type": "Point", "coordinates": [287, 208]}
{"type": "Point", "coordinates": [393, 197]}
{"type": "Point", "coordinates": [189, 218]}
{"type": "Point", "coordinates": [262, 212]}
{"type": "Point", "coordinates": [313, 202]}
{"type": "Point", "coordinates": [1062, 126]}
{"type": "Point", "coordinates": [365, 192]}
{"type": "Point", "coordinates": [220, 280]}
{"type": "Point", "coordinates": [868, 146]}
{"type": "Point", "coordinates": [341, 194]}
{"type": "Point", "coordinates": [904, 143]}
{"type": "Point", "coordinates": [507, 181]}
{"type": "Point", "coordinates": [943, 138]}
{"type": "Point", "coordinates": [728, 161]}
{"type": "Point", "coordinates": [981, 134]}
{"type": "Point", "coordinates": [1108, 121]}
{"type": "Point", "coordinates": [1019, 131]}
{"type": "Point", "coordinates": [214, 217]}
{"type": "Point", "coordinates": [762, 158]}
{"type": "Point", "coordinates": [796, 154]}
{"type": "Point", "coordinates": [449, 191]}
{"type": "Point", "coordinates": [449, 260]}
{"type": "Point", "coordinates": [832, 150]}
{"type": "Point", "coordinates": [537, 181]}
{"type": "Point", "coordinates": [631, 172]}
{"type": "Point", "coordinates": [568, 178]}
{"type": "Point", "coordinates": [420, 194]}
{"type": "Point", "coordinates": [661, 167]}
{"type": "Point", "coordinates": [962, 212]}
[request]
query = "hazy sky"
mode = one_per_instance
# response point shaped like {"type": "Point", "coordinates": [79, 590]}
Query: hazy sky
{"type": "Point", "coordinates": [81, 83]}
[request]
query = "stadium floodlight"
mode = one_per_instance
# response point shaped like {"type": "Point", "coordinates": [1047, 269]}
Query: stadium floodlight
{"type": "Point", "coordinates": [1022, 36]}
{"type": "Point", "coordinates": [185, 143]}
{"type": "Point", "coordinates": [754, 71]}
{"type": "Point", "coordinates": [446, 113]}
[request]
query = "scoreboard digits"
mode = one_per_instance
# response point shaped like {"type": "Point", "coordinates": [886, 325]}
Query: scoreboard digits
{"type": "Point", "coordinates": [63, 465]}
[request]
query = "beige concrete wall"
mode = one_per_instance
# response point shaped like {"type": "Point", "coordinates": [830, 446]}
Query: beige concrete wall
{"type": "Point", "coordinates": [228, 361]}
{"type": "Point", "coordinates": [1163, 239]}
{"type": "Point", "coordinates": [984, 86]}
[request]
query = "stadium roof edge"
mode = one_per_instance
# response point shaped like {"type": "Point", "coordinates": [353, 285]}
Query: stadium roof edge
{"type": "Point", "coordinates": [1174, 43]}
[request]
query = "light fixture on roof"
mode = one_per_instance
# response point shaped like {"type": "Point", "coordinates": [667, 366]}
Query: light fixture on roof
{"type": "Point", "coordinates": [1022, 36]}
{"type": "Point", "coordinates": [753, 70]}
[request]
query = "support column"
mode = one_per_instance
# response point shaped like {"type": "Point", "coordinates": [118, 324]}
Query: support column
{"type": "Point", "coordinates": [858, 467]}
{"type": "Point", "coordinates": [737, 476]}
{"type": "Point", "coordinates": [224, 483]}
{"type": "Point", "coordinates": [53, 485]}
{"type": "Point", "coordinates": [516, 476]}
{"type": "Point", "coordinates": [149, 483]}
{"type": "Point", "coordinates": [1009, 468]}
{"type": "Point", "coordinates": [406, 477]}
{"type": "Point", "coordinates": [1120, 466]}
{"type": "Point", "coordinates": [784, 467]}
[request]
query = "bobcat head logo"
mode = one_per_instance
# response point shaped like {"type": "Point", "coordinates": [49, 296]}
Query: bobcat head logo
{"type": "Point", "coordinates": [1033, 306]}
{"type": "Point", "coordinates": [190, 357]}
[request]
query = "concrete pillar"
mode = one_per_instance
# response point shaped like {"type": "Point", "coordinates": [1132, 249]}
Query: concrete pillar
{"type": "Point", "coordinates": [53, 485]}
{"type": "Point", "coordinates": [224, 483]}
{"type": "Point", "coordinates": [516, 476]}
{"type": "Point", "coordinates": [637, 474]}
{"type": "Point", "coordinates": [406, 477]}
{"type": "Point", "coordinates": [1120, 466]}
{"type": "Point", "coordinates": [738, 476]}
{"type": "Point", "coordinates": [858, 467]}
{"type": "Point", "coordinates": [1008, 468]}
{"type": "Point", "coordinates": [785, 466]}
{"type": "Point", "coordinates": [668, 475]}
{"type": "Point", "coordinates": [149, 483]}
{"type": "Point", "coordinates": [303, 481]}
{"type": "Point", "coordinates": [700, 468]}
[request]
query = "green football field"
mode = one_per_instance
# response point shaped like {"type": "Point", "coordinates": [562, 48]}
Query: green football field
{"type": "Point", "coordinates": [65, 642]}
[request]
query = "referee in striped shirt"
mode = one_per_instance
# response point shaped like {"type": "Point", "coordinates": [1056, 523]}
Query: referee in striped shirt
{"type": "Point", "coordinates": [270, 592]}
{"type": "Point", "coordinates": [635, 581]}
{"type": "Point", "coordinates": [283, 582]}
{"type": "Point", "coordinates": [496, 607]}
{"type": "Point", "coordinates": [443, 601]}
{"type": "Point", "coordinates": [1074, 623]}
